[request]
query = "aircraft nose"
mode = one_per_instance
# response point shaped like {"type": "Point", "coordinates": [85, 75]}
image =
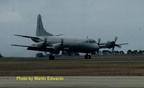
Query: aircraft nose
{"type": "Point", "coordinates": [96, 47]}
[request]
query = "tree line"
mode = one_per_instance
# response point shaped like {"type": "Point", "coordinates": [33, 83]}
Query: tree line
{"type": "Point", "coordinates": [108, 52]}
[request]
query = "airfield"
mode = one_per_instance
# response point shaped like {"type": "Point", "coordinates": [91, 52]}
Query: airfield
{"type": "Point", "coordinates": [106, 71]}
{"type": "Point", "coordinates": [99, 65]}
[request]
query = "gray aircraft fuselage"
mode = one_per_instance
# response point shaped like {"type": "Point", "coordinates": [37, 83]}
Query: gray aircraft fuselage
{"type": "Point", "coordinates": [71, 44]}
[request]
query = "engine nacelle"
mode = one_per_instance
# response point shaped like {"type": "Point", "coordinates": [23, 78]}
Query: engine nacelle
{"type": "Point", "coordinates": [39, 45]}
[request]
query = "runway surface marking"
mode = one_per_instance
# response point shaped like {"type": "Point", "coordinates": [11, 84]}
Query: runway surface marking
{"type": "Point", "coordinates": [77, 81]}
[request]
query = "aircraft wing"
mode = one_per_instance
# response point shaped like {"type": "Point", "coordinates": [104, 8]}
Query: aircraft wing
{"type": "Point", "coordinates": [102, 46]}
{"type": "Point", "coordinates": [35, 48]}
{"type": "Point", "coordinates": [123, 44]}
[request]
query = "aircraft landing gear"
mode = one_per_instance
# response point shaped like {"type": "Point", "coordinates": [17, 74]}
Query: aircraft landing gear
{"type": "Point", "coordinates": [51, 57]}
{"type": "Point", "coordinates": [88, 56]}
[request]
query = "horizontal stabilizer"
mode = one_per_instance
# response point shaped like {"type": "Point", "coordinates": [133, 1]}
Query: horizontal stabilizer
{"type": "Point", "coordinates": [20, 45]}
{"type": "Point", "coordinates": [25, 36]}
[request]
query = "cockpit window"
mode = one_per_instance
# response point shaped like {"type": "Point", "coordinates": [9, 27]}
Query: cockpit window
{"type": "Point", "coordinates": [92, 41]}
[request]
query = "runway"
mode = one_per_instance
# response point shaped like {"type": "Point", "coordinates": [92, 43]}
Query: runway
{"type": "Point", "coordinates": [76, 82]}
{"type": "Point", "coordinates": [126, 65]}
{"type": "Point", "coordinates": [75, 58]}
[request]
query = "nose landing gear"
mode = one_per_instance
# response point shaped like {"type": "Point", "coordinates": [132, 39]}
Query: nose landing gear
{"type": "Point", "coordinates": [88, 56]}
{"type": "Point", "coordinates": [51, 57]}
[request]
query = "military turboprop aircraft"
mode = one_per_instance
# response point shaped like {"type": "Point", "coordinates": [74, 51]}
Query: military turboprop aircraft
{"type": "Point", "coordinates": [48, 42]}
{"type": "Point", "coordinates": [110, 44]}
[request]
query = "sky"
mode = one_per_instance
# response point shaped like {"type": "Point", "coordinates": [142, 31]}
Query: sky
{"type": "Point", "coordinates": [103, 19]}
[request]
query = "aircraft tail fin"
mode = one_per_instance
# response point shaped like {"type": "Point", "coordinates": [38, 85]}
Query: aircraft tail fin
{"type": "Point", "coordinates": [40, 31]}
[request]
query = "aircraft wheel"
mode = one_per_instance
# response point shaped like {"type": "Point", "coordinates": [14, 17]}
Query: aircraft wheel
{"type": "Point", "coordinates": [87, 56]}
{"type": "Point", "coordinates": [51, 57]}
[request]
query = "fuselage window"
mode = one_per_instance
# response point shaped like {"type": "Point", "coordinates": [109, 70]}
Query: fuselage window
{"type": "Point", "coordinates": [90, 41]}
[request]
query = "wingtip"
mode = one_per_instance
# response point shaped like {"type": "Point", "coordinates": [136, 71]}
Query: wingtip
{"type": "Point", "coordinates": [15, 35]}
{"type": "Point", "coordinates": [13, 44]}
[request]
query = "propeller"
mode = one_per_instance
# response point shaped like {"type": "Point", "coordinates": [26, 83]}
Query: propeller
{"type": "Point", "coordinates": [45, 42]}
{"type": "Point", "coordinates": [113, 44]}
{"type": "Point", "coordinates": [110, 44]}
{"type": "Point", "coordinates": [116, 38]}
{"type": "Point", "coordinates": [42, 44]}
{"type": "Point", "coordinates": [99, 40]}
{"type": "Point", "coordinates": [62, 46]}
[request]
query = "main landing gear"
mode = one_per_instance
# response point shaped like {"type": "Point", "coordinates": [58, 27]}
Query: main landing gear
{"type": "Point", "coordinates": [88, 56]}
{"type": "Point", "coordinates": [51, 57]}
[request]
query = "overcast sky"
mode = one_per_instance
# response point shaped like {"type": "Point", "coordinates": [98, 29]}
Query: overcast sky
{"type": "Point", "coordinates": [103, 19]}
